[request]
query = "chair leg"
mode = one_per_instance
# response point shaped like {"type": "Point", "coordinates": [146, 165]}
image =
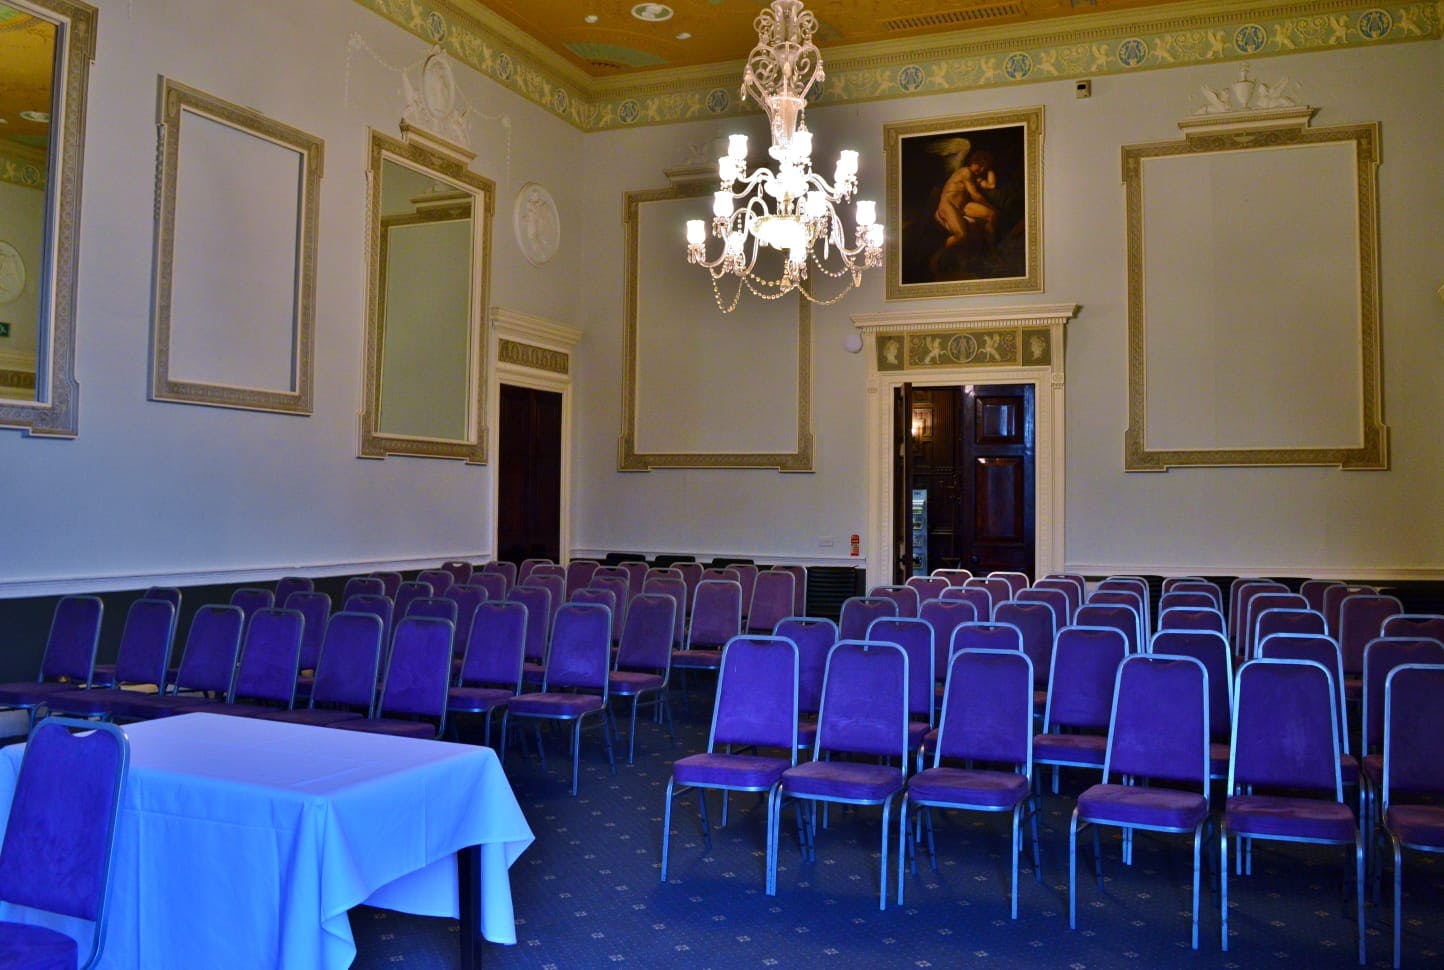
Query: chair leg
{"type": "Point", "coordinates": [632, 733]}
{"type": "Point", "coordinates": [505, 716]}
{"type": "Point", "coordinates": [1359, 886]}
{"type": "Point", "coordinates": [667, 827]}
{"type": "Point", "coordinates": [706, 824]}
{"type": "Point", "coordinates": [1097, 858]}
{"type": "Point", "coordinates": [576, 751]}
{"type": "Point", "coordinates": [1037, 859]}
{"type": "Point", "coordinates": [882, 880]}
{"type": "Point", "coordinates": [1073, 871]}
{"type": "Point", "coordinates": [1223, 888]}
{"type": "Point", "coordinates": [774, 825]}
{"type": "Point", "coordinates": [1197, 865]}
{"type": "Point", "coordinates": [1398, 897]}
{"type": "Point", "coordinates": [1017, 847]}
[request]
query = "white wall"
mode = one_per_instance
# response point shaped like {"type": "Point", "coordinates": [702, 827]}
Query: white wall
{"type": "Point", "coordinates": [1279, 520]}
{"type": "Point", "coordinates": [152, 491]}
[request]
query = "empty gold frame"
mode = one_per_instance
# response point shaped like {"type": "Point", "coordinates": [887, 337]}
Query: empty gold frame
{"type": "Point", "coordinates": [701, 389]}
{"type": "Point", "coordinates": [429, 241]}
{"type": "Point", "coordinates": [233, 322]}
{"type": "Point", "coordinates": [46, 47]}
{"type": "Point", "coordinates": [1253, 319]}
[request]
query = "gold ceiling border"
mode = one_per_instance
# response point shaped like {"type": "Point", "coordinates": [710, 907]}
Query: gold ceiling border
{"type": "Point", "coordinates": [25, 170]}
{"type": "Point", "coordinates": [1095, 45]}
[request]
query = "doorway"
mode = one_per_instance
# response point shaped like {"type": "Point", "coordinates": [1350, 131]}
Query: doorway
{"type": "Point", "coordinates": [964, 488]}
{"type": "Point", "coordinates": [529, 474]}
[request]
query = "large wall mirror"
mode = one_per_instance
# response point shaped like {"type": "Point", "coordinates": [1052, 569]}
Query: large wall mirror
{"type": "Point", "coordinates": [430, 256]}
{"type": "Point", "coordinates": [46, 47]}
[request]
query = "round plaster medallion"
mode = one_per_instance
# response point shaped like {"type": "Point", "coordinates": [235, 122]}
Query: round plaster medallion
{"type": "Point", "coordinates": [12, 273]}
{"type": "Point", "coordinates": [538, 227]}
{"type": "Point", "coordinates": [438, 85]}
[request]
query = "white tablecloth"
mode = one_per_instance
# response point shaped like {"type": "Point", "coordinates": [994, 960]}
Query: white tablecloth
{"type": "Point", "coordinates": [242, 843]}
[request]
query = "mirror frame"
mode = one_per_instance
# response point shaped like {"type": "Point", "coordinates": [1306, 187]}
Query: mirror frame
{"type": "Point", "coordinates": [447, 161]}
{"type": "Point", "coordinates": [54, 412]}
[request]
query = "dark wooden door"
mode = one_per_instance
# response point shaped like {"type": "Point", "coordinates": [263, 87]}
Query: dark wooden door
{"type": "Point", "coordinates": [972, 449]}
{"type": "Point", "coordinates": [902, 478]}
{"type": "Point", "coordinates": [529, 474]}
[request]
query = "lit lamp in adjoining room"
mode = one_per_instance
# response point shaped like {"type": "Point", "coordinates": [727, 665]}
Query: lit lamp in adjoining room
{"type": "Point", "coordinates": [792, 210]}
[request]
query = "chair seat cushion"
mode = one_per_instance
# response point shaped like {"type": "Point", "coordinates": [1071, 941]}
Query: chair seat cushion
{"type": "Point", "coordinates": [476, 700]}
{"type": "Point", "coordinates": [697, 659]}
{"type": "Point", "coordinates": [36, 948]}
{"type": "Point", "coordinates": [963, 787]}
{"type": "Point", "coordinates": [1372, 767]}
{"type": "Point", "coordinates": [1218, 759]}
{"type": "Point", "coordinates": [30, 694]}
{"type": "Point", "coordinates": [555, 705]}
{"type": "Point", "coordinates": [1070, 749]}
{"type": "Point", "coordinates": [1420, 826]}
{"type": "Point", "coordinates": [384, 725]}
{"type": "Point", "coordinates": [532, 673]}
{"type": "Point", "coordinates": [806, 734]}
{"type": "Point", "coordinates": [235, 710]}
{"type": "Point", "coordinates": [629, 682]}
{"type": "Point", "coordinates": [1348, 770]}
{"type": "Point", "coordinates": [917, 730]}
{"type": "Point", "coordinates": [1163, 808]}
{"type": "Point", "coordinates": [135, 706]}
{"type": "Point", "coordinates": [316, 716]}
{"type": "Point", "coordinates": [1303, 818]}
{"type": "Point", "coordinates": [729, 770]}
{"type": "Point", "coordinates": [842, 780]}
{"type": "Point", "coordinates": [90, 703]}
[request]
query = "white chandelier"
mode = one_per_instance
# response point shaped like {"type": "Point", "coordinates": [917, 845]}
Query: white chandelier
{"type": "Point", "coordinates": [801, 220]}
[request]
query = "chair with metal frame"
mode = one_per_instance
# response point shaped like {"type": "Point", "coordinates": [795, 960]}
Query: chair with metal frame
{"type": "Point", "coordinates": [412, 701]}
{"type": "Point", "coordinates": [906, 598]}
{"type": "Point", "coordinates": [141, 662]}
{"type": "Point", "coordinates": [1192, 618]}
{"type": "Point", "coordinates": [538, 603]}
{"type": "Point", "coordinates": [1080, 696]}
{"type": "Point", "coordinates": [814, 637]}
{"type": "Point", "coordinates": [506, 570]}
{"type": "Point", "coordinates": [858, 612]}
{"type": "Point", "coordinates": [460, 570]}
{"type": "Point", "coordinates": [644, 661]}
{"type": "Point", "coordinates": [390, 582]}
{"type": "Point", "coordinates": [981, 600]}
{"type": "Point", "coordinates": [579, 574]}
{"type": "Point", "coordinates": [490, 674]}
{"type": "Point", "coordinates": [346, 673]}
{"type": "Point", "coordinates": [1016, 581]}
{"type": "Point", "coordinates": [772, 600]}
{"type": "Point", "coordinates": [1282, 619]}
{"type": "Point", "coordinates": [955, 577]}
{"type": "Point", "coordinates": [1071, 594]}
{"type": "Point", "coordinates": [928, 587]}
{"type": "Point", "coordinates": [1120, 616]}
{"type": "Point", "coordinates": [207, 667]}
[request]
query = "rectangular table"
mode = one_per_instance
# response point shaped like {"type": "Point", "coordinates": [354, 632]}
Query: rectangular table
{"type": "Point", "coordinates": [243, 843]}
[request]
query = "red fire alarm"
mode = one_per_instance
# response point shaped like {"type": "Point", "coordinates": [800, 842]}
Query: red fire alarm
{"type": "Point", "coordinates": [856, 544]}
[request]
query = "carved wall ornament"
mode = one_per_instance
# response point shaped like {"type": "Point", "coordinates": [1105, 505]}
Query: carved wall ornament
{"type": "Point", "coordinates": [431, 99]}
{"type": "Point", "coordinates": [1247, 94]}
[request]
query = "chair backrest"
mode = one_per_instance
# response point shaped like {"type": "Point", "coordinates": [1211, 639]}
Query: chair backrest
{"type": "Point", "coordinates": [579, 574]}
{"type": "Point", "coordinates": [999, 590]}
{"type": "Point", "coordinates": [1361, 618]}
{"type": "Point", "coordinates": [691, 575]}
{"type": "Point", "coordinates": [1319, 649]}
{"type": "Point", "coordinates": [955, 577]}
{"type": "Point", "coordinates": [1056, 600]}
{"type": "Point", "coordinates": [145, 643]}
{"type": "Point", "coordinates": [722, 572]}
{"type": "Point", "coordinates": [987, 711]}
{"type": "Point", "coordinates": [1192, 618]}
{"type": "Point", "coordinates": [945, 616]}
{"type": "Point", "coordinates": [916, 639]}
{"type": "Point", "coordinates": [1285, 729]}
{"type": "Point", "coordinates": [675, 587]}
{"type": "Point", "coordinates": [1201, 586]}
{"type": "Point", "coordinates": [418, 670]}
{"type": "Point", "coordinates": [270, 656]}
{"type": "Point", "coordinates": [538, 603]}
{"type": "Point", "coordinates": [1159, 726]}
{"type": "Point", "coordinates": [747, 576]}
{"type": "Point", "coordinates": [467, 597]}
{"type": "Point", "coordinates": [716, 614]}
{"type": "Point", "coordinates": [552, 582]}
{"type": "Point", "coordinates": [1210, 648]}
{"type": "Point", "coordinates": [252, 598]}
{"type": "Point", "coordinates": [1170, 582]}
{"type": "Point", "coordinates": [928, 587]}
{"type": "Point", "coordinates": [285, 586]}
{"type": "Point", "coordinates": [1270, 600]}
{"type": "Point", "coordinates": [506, 570]}
{"type": "Point", "coordinates": [1085, 670]}
{"type": "Point", "coordinates": [528, 566]}
{"type": "Point", "coordinates": [1313, 591]}
{"type": "Point", "coordinates": [864, 701]}
{"type": "Point", "coordinates": [621, 591]}
{"type": "Point", "coordinates": [1183, 599]}
{"type": "Point", "coordinates": [757, 702]}
{"type": "Point", "coordinates": [172, 595]}
{"type": "Point", "coordinates": [71, 644]}
{"type": "Point", "coordinates": [981, 599]}
{"type": "Point", "coordinates": [1120, 616]}
{"type": "Point", "coordinates": [496, 646]}
{"type": "Point", "coordinates": [1334, 598]}
{"type": "Point", "coordinates": [605, 597]}
{"type": "Point", "coordinates": [1038, 624]}
{"type": "Point", "coordinates": [368, 585]}
{"type": "Point", "coordinates": [1238, 592]}
{"type": "Point", "coordinates": [905, 597]}
{"type": "Point", "coordinates": [440, 579]}
{"type": "Point", "coordinates": [1429, 625]}
{"type": "Point", "coordinates": [1135, 584]}
{"type": "Point", "coordinates": [647, 638]}
{"type": "Point", "coordinates": [492, 583]}
{"type": "Point", "coordinates": [436, 607]}
{"type": "Point", "coordinates": [662, 572]}
{"type": "Point", "coordinates": [985, 635]}
{"type": "Point", "coordinates": [580, 652]}
{"type": "Point", "coordinates": [1381, 656]}
{"type": "Point", "coordinates": [1017, 582]}
{"type": "Point", "coordinates": [1076, 579]}
{"type": "Point", "coordinates": [373, 603]}
{"type": "Point", "coordinates": [350, 663]}
{"type": "Point", "coordinates": [390, 583]}
{"type": "Point", "coordinates": [1068, 588]}
{"type": "Point", "coordinates": [814, 637]}
{"type": "Point", "coordinates": [772, 600]}
{"type": "Point", "coordinates": [1283, 619]}
{"type": "Point", "coordinates": [858, 612]}
{"type": "Point", "coordinates": [460, 572]}
{"type": "Point", "coordinates": [57, 850]}
{"type": "Point", "coordinates": [1413, 730]}
{"type": "Point", "coordinates": [799, 588]}
{"type": "Point", "coordinates": [212, 646]}
{"type": "Point", "coordinates": [636, 577]}
{"type": "Point", "coordinates": [316, 608]}
{"type": "Point", "coordinates": [413, 589]}
{"type": "Point", "coordinates": [1117, 596]}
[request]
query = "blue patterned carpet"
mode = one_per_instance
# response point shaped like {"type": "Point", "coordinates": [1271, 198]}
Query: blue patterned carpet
{"type": "Point", "coordinates": [587, 893]}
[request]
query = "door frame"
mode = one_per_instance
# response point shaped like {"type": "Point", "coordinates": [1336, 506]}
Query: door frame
{"type": "Point", "coordinates": [530, 351]}
{"type": "Point", "coordinates": [1048, 379]}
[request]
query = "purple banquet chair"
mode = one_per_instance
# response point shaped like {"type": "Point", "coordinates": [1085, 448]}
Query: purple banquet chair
{"type": "Point", "coordinates": [757, 708]}
{"type": "Point", "coordinates": [412, 702]}
{"type": "Point", "coordinates": [491, 670]}
{"type": "Point", "coordinates": [662, 572]}
{"type": "Point", "coordinates": [1325, 652]}
{"type": "Point", "coordinates": [344, 688]}
{"type": "Point", "coordinates": [955, 577]}
{"type": "Point", "coordinates": [552, 583]}
{"type": "Point", "coordinates": [172, 594]}
{"type": "Point", "coordinates": [1257, 604]}
{"type": "Point", "coordinates": [574, 686]}
{"type": "Point", "coordinates": [1017, 582]}
{"type": "Point", "coordinates": [1361, 618]}
{"type": "Point", "coordinates": [945, 616]}
{"type": "Point", "coordinates": [1077, 579]}
{"type": "Point", "coordinates": [1283, 620]}
{"type": "Point", "coordinates": [1192, 618]}
{"type": "Point", "coordinates": [69, 658]}
{"type": "Point", "coordinates": [999, 590]}
{"type": "Point", "coordinates": [1080, 695]}
{"type": "Point", "coordinates": [905, 597]}
{"type": "Point", "coordinates": [814, 637]}
{"type": "Point", "coordinates": [1119, 616]}
{"type": "Point", "coordinates": [928, 587]}
{"type": "Point", "coordinates": [799, 588]}
{"type": "Point", "coordinates": [316, 608]}
{"type": "Point", "coordinates": [141, 661]}
{"type": "Point", "coordinates": [716, 619]}
{"type": "Point", "coordinates": [494, 584]}
{"type": "Point", "coordinates": [524, 571]}
{"type": "Point", "coordinates": [1070, 591]}
{"type": "Point", "coordinates": [1334, 598]}
{"type": "Point", "coordinates": [981, 600]}
{"type": "Point", "coordinates": [438, 608]}
{"type": "Point", "coordinates": [1203, 586]}
{"type": "Point", "coordinates": [1158, 731]}
{"type": "Point", "coordinates": [987, 716]}
{"type": "Point", "coordinates": [864, 714]}
{"type": "Point", "coordinates": [1286, 741]}
{"type": "Point", "coordinates": [467, 598]}
{"type": "Point", "coordinates": [1429, 625]}
{"type": "Point", "coordinates": [621, 595]}
{"type": "Point", "coordinates": [1239, 592]}
{"type": "Point", "coordinates": [985, 635]}
{"type": "Point", "coordinates": [675, 587]}
{"type": "Point", "coordinates": [56, 856]}
{"type": "Point", "coordinates": [265, 678]}
{"type": "Point", "coordinates": [727, 573]}
{"type": "Point", "coordinates": [460, 570]}
{"type": "Point", "coordinates": [644, 661]}
{"type": "Point", "coordinates": [858, 612]}
{"type": "Point", "coordinates": [1134, 584]}
{"type": "Point", "coordinates": [1115, 596]}
{"type": "Point", "coordinates": [413, 589]}
{"type": "Point", "coordinates": [506, 570]}
{"type": "Point", "coordinates": [1313, 591]}
{"type": "Point", "coordinates": [440, 580]}
{"type": "Point", "coordinates": [390, 582]}
{"type": "Point", "coordinates": [747, 576]}
{"type": "Point", "coordinates": [369, 585]}
{"type": "Point", "coordinates": [379, 606]}
{"type": "Point", "coordinates": [207, 666]}
{"type": "Point", "coordinates": [538, 603]}
{"type": "Point", "coordinates": [1038, 625]}
{"type": "Point", "coordinates": [916, 639]}
{"type": "Point", "coordinates": [251, 598]}
{"type": "Point", "coordinates": [1413, 737]}
{"type": "Point", "coordinates": [691, 575]}
{"type": "Point", "coordinates": [1210, 648]}
{"type": "Point", "coordinates": [772, 600]}
{"type": "Point", "coordinates": [1055, 598]}
{"type": "Point", "coordinates": [579, 574]}
{"type": "Point", "coordinates": [602, 597]}
{"type": "Point", "coordinates": [1171, 582]}
{"type": "Point", "coordinates": [1186, 599]}
{"type": "Point", "coordinates": [287, 585]}
{"type": "Point", "coordinates": [636, 578]}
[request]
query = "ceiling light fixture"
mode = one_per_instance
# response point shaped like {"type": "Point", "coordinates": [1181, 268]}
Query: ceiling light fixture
{"type": "Point", "coordinates": [802, 219]}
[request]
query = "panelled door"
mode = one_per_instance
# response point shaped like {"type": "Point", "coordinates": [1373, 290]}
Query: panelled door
{"type": "Point", "coordinates": [529, 474]}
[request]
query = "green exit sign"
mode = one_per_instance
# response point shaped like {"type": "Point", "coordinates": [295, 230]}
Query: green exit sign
{"type": "Point", "coordinates": [4, 329]}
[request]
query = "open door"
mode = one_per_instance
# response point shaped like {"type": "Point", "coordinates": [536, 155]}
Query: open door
{"type": "Point", "coordinates": [529, 480]}
{"type": "Point", "coordinates": [902, 532]}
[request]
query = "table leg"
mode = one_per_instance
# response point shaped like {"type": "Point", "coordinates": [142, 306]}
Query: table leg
{"type": "Point", "coordinates": [468, 882]}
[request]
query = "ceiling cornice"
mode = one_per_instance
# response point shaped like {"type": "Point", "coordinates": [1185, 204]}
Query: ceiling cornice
{"type": "Point", "coordinates": [1094, 45]}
